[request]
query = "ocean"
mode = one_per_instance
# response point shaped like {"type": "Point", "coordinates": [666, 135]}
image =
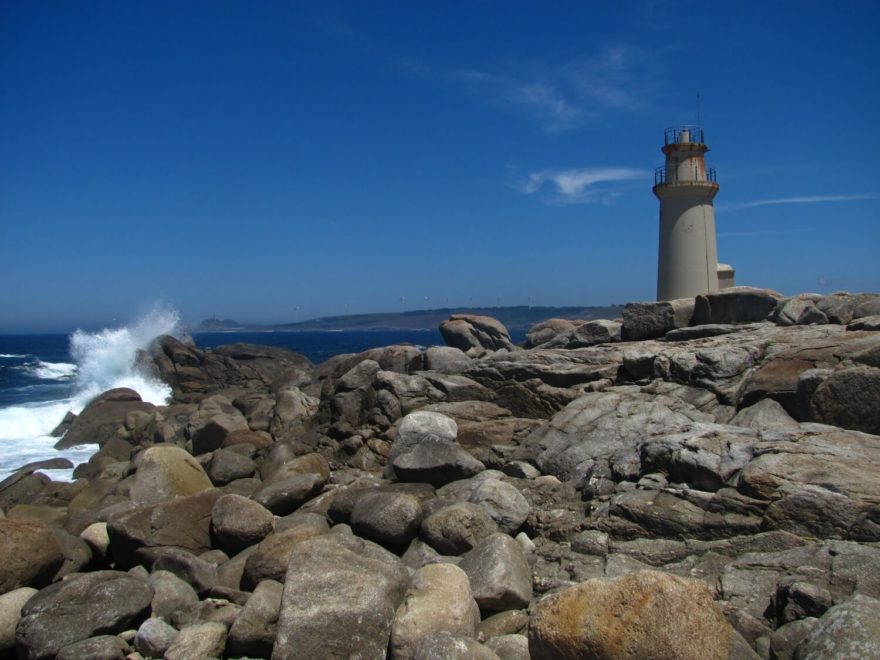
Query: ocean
{"type": "Point", "coordinates": [43, 376]}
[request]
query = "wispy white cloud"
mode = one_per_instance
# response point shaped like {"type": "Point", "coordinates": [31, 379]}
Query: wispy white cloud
{"type": "Point", "coordinates": [540, 98]}
{"type": "Point", "coordinates": [579, 186]}
{"type": "Point", "coordinates": [566, 95]}
{"type": "Point", "coordinates": [806, 199]}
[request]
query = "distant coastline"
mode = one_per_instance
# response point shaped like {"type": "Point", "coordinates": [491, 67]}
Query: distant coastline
{"type": "Point", "coordinates": [518, 317]}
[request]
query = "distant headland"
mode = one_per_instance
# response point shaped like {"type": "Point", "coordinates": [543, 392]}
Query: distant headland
{"type": "Point", "coordinates": [517, 317]}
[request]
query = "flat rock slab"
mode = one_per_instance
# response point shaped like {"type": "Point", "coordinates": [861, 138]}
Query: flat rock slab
{"type": "Point", "coordinates": [606, 426]}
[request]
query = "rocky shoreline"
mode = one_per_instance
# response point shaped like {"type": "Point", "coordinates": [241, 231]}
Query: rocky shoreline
{"type": "Point", "coordinates": [698, 479]}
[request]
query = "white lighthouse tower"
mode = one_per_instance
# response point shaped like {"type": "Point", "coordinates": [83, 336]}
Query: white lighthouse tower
{"type": "Point", "coordinates": [688, 264]}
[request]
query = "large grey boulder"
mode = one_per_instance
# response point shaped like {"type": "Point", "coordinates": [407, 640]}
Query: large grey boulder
{"type": "Point", "coordinates": [183, 522]}
{"type": "Point", "coordinates": [475, 333]}
{"type": "Point", "coordinates": [284, 462]}
{"type": "Point", "coordinates": [738, 304]}
{"type": "Point", "coordinates": [446, 360]}
{"type": "Point", "coordinates": [200, 574]}
{"type": "Point", "coordinates": [435, 462]}
{"type": "Point", "coordinates": [500, 499]}
{"type": "Point", "coordinates": [848, 398]}
{"type": "Point", "coordinates": [648, 320]}
{"type": "Point", "coordinates": [209, 434]}
{"type": "Point", "coordinates": [227, 466]}
{"type": "Point", "coordinates": [499, 573]}
{"type": "Point", "coordinates": [541, 333]}
{"type": "Point", "coordinates": [104, 602]}
{"type": "Point", "coordinates": [848, 630]}
{"type": "Point", "coordinates": [799, 310]}
{"type": "Point", "coordinates": [439, 598]}
{"type": "Point", "coordinates": [389, 518]}
{"type": "Point", "coordinates": [588, 333]}
{"type": "Point", "coordinates": [457, 528]}
{"type": "Point", "coordinates": [254, 630]}
{"type": "Point", "coordinates": [30, 554]}
{"type": "Point", "coordinates": [843, 307]}
{"type": "Point", "coordinates": [766, 414]}
{"type": "Point", "coordinates": [270, 559]}
{"type": "Point", "coordinates": [400, 394]}
{"type": "Point", "coordinates": [173, 598]}
{"type": "Point", "coordinates": [423, 425]}
{"type": "Point", "coordinates": [426, 450]}
{"type": "Point", "coordinates": [238, 522]}
{"type": "Point", "coordinates": [285, 496]}
{"type": "Point", "coordinates": [335, 584]}
{"type": "Point", "coordinates": [293, 410]}
{"type": "Point", "coordinates": [646, 614]}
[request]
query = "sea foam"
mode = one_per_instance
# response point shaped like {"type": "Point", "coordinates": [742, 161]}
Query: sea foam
{"type": "Point", "coordinates": [103, 360]}
{"type": "Point", "coordinates": [53, 370]}
{"type": "Point", "coordinates": [107, 359]}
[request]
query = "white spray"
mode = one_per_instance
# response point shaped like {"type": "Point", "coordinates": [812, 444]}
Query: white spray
{"type": "Point", "coordinates": [104, 360]}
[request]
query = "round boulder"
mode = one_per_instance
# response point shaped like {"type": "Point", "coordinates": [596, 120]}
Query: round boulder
{"type": "Point", "coordinates": [389, 518]}
{"type": "Point", "coordinates": [457, 528]}
{"type": "Point", "coordinates": [646, 614]}
{"type": "Point", "coordinates": [238, 522]}
{"type": "Point", "coordinates": [78, 608]}
{"type": "Point", "coordinates": [423, 425]}
{"type": "Point", "coordinates": [227, 466]}
{"type": "Point", "coordinates": [166, 471]}
{"type": "Point", "coordinates": [287, 495]}
{"type": "Point", "coordinates": [154, 637]}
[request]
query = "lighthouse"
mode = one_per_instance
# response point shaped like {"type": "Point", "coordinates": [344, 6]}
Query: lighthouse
{"type": "Point", "coordinates": [688, 261]}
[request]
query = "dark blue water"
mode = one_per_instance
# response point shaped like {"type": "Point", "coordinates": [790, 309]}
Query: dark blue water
{"type": "Point", "coordinates": [34, 368]}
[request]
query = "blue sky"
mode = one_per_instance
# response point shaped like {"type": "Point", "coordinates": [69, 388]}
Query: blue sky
{"type": "Point", "coordinates": [278, 161]}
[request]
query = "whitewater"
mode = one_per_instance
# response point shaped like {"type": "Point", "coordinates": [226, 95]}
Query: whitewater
{"type": "Point", "coordinates": [38, 391]}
